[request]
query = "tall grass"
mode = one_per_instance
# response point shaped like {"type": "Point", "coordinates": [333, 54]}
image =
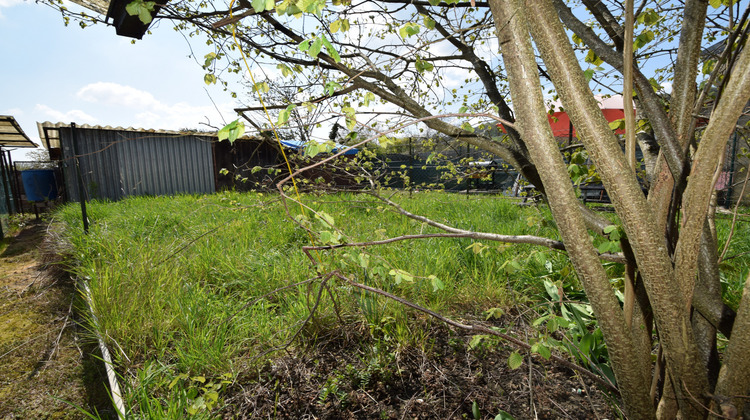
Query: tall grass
{"type": "Point", "coordinates": [185, 285]}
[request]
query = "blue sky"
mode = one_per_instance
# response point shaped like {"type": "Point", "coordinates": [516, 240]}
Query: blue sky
{"type": "Point", "coordinates": [50, 72]}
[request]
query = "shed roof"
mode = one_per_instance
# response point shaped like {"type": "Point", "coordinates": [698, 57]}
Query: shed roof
{"type": "Point", "coordinates": [49, 132]}
{"type": "Point", "coordinates": [11, 133]}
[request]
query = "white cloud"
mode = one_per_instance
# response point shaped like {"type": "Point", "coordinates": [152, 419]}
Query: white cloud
{"type": "Point", "coordinates": [74, 115]}
{"type": "Point", "coordinates": [138, 108]}
{"type": "Point", "coordinates": [14, 112]}
{"type": "Point", "coordinates": [108, 93]}
{"type": "Point", "coordinates": [5, 4]}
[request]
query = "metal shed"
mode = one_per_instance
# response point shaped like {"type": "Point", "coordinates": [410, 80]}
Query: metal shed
{"type": "Point", "coordinates": [119, 162]}
{"type": "Point", "coordinates": [11, 136]}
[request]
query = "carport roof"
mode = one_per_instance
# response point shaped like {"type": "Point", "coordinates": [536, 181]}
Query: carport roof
{"type": "Point", "coordinates": [11, 133]}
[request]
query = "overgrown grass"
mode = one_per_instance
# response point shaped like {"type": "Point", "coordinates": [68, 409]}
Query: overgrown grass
{"type": "Point", "coordinates": [183, 287]}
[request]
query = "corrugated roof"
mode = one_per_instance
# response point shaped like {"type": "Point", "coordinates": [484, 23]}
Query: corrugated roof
{"type": "Point", "coordinates": [49, 132]}
{"type": "Point", "coordinates": [11, 133]}
{"type": "Point", "coordinates": [98, 6]}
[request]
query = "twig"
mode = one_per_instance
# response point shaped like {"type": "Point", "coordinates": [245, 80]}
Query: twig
{"type": "Point", "coordinates": [22, 344]}
{"type": "Point", "coordinates": [517, 239]}
{"type": "Point", "coordinates": [588, 397]}
{"type": "Point", "coordinates": [684, 386]}
{"type": "Point", "coordinates": [482, 329]}
{"type": "Point", "coordinates": [256, 300]}
{"type": "Point", "coordinates": [59, 336]}
{"type": "Point", "coordinates": [529, 239]}
{"type": "Point", "coordinates": [303, 323]}
{"type": "Point", "coordinates": [182, 248]}
{"type": "Point", "coordinates": [734, 218]}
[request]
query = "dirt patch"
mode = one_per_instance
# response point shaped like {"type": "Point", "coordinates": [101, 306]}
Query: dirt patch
{"type": "Point", "coordinates": [366, 380]}
{"type": "Point", "coordinates": [44, 367]}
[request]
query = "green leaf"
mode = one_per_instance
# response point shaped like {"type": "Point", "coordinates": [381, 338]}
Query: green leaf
{"type": "Point", "coordinates": [617, 124]}
{"type": "Point", "coordinates": [331, 87]}
{"type": "Point", "coordinates": [592, 58]}
{"type": "Point", "coordinates": [315, 47]}
{"type": "Point", "coordinates": [475, 411]}
{"type": "Point", "coordinates": [142, 9]}
{"type": "Point", "coordinates": [331, 51]}
{"type": "Point", "coordinates": [477, 247]}
{"type": "Point", "coordinates": [496, 313]}
{"type": "Point", "coordinates": [285, 114]}
{"type": "Point", "coordinates": [364, 260]}
{"type": "Point", "coordinates": [708, 66]}
{"type": "Point", "coordinates": [588, 74]}
{"type": "Point", "coordinates": [326, 237]}
{"type": "Point", "coordinates": [644, 38]}
{"type": "Point", "coordinates": [177, 379]}
{"type": "Point", "coordinates": [369, 97]}
{"type": "Point", "coordinates": [436, 283]}
{"type": "Point", "coordinates": [515, 360]}
{"type": "Point", "coordinates": [467, 127]}
{"type": "Point", "coordinates": [209, 79]}
{"type": "Point", "coordinates": [339, 25]}
{"type": "Point", "coordinates": [434, 2]}
{"type": "Point", "coordinates": [231, 131]}
{"type": "Point", "coordinates": [384, 141]}
{"type": "Point", "coordinates": [326, 219]}
{"type": "Point", "coordinates": [429, 23]}
{"type": "Point", "coordinates": [210, 57]}
{"type": "Point", "coordinates": [408, 29]}
{"type": "Point", "coordinates": [335, 26]}
{"type": "Point", "coordinates": [552, 290]}
{"type": "Point", "coordinates": [304, 45]}
{"type": "Point", "coordinates": [312, 149]}
{"type": "Point", "coordinates": [259, 5]}
{"type": "Point", "coordinates": [476, 340]}
{"type": "Point", "coordinates": [586, 345]}
{"type": "Point", "coordinates": [502, 415]}
{"type": "Point", "coordinates": [351, 121]}
{"type": "Point", "coordinates": [423, 66]}
{"type": "Point", "coordinates": [539, 321]}
{"type": "Point", "coordinates": [261, 87]}
{"type": "Point", "coordinates": [542, 350]}
{"type": "Point", "coordinates": [285, 70]}
{"type": "Point", "coordinates": [401, 275]}
{"type": "Point", "coordinates": [648, 17]}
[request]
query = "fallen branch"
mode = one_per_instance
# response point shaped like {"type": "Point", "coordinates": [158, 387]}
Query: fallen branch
{"type": "Point", "coordinates": [484, 330]}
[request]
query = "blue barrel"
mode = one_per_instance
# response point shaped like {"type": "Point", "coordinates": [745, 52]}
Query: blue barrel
{"type": "Point", "coordinates": [39, 184]}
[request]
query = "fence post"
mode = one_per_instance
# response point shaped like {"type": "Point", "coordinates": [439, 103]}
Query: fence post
{"type": "Point", "coordinates": [81, 193]}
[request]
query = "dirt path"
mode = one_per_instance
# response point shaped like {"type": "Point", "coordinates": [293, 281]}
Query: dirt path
{"type": "Point", "coordinates": [43, 363]}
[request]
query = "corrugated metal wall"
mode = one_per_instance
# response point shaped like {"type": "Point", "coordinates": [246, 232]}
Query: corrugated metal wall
{"type": "Point", "coordinates": [7, 203]}
{"type": "Point", "coordinates": [119, 163]}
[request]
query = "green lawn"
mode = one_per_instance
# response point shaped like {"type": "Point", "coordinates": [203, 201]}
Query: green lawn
{"type": "Point", "coordinates": [206, 286]}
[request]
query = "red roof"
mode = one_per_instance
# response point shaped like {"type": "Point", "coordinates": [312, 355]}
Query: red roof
{"type": "Point", "coordinates": [560, 121]}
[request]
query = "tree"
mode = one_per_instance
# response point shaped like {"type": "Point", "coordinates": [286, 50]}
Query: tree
{"type": "Point", "coordinates": [401, 58]}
